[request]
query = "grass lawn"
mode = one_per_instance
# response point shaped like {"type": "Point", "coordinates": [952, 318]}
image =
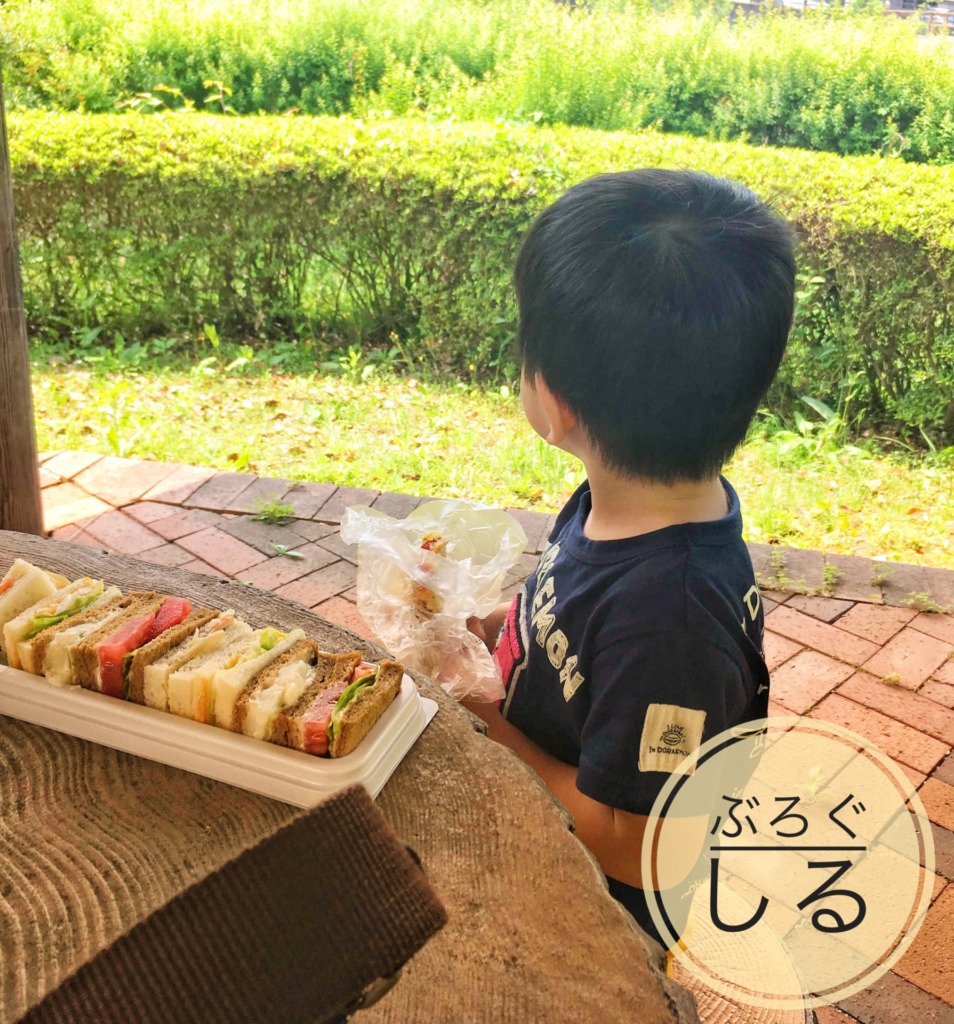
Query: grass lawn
{"type": "Point", "coordinates": [448, 439]}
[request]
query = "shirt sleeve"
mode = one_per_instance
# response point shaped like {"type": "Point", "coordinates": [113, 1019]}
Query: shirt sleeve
{"type": "Point", "coordinates": [654, 700]}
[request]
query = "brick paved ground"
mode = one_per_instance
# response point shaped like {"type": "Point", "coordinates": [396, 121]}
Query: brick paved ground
{"type": "Point", "coordinates": [857, 642]}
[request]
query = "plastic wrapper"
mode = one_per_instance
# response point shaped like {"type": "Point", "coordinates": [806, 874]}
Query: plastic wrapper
{"type": "Point", "coordinates": [420, 579]}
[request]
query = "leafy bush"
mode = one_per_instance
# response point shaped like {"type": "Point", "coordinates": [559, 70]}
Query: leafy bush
{"type": "Point", "coordinates": [405, 232]}
{"type": "Point", "coordinates": [851, 83]}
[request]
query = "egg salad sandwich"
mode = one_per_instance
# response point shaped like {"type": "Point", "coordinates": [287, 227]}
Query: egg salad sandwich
{"type": "Point", "coordinates": [277, 687]}
{"type": "Point", "coordinates": [206, 687]}
{"type": "Point", "coordinates": [49, 611]}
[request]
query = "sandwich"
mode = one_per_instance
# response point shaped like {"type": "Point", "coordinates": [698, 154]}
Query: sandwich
{"type": "Point", "coordinates": [239, 672]}
{"type": "Point", "coordinates": [49, 611]}
{"type": "Point", "coordinates": [199, 663]}
{"type": "Point", "coordinates": [206, 687]}
{"type": "Point", "coordinates": [423, 597]}
{"type": "Point", "coordinates": [277, 687]}
{"type": "Point", "coordinates": [24, 585]}
{"type": "Point", "coordinates": [189, 683]}
{"type": "Point", "coordinates": [97, 660]}
{"type": "Point", "coordinates": [162, 651]}
{"type": "Point", "coordinates": [150, 669]}
{"type": "Point", "coordinates": [340, 707]}
{"type": "Point", "coordinates": [48, 652]}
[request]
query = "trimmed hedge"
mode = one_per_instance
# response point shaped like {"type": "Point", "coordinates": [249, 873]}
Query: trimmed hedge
{"type": "Point", "coordinates": [296, 226]}
{"type": "Point", "coordinates": [840, 80]}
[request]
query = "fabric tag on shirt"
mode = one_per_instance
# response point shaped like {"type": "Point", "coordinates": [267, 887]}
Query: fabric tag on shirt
{"type": "Point", "coordinates": [670, 735]}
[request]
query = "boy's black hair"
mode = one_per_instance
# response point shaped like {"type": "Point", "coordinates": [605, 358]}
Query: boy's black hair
{"type": "Point", "coordinates": [657, 305]}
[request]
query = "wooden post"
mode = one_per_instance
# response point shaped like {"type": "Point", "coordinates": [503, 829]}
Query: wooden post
{"type": "Point", "coordinates": [19, 481]}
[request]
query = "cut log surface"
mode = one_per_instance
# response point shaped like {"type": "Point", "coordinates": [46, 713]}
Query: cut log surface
{"type": "Point", "coordinates": [92, 840]}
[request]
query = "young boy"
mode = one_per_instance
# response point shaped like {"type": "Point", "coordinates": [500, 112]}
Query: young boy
{"type": "Point", "coordinates": [654, 310]}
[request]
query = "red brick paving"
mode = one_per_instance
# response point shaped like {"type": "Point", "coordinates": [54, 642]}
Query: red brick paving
{"type": "Point", "coordinates": [826, 648]}
{"type": "Point", "coordinates": [928, 964]}
{"type": "Point", "coordinates": [179, 485]}
{"type": "Point", "coordinates": [778, 650]}
{"type": "Point", "coordinates": [281, 569]}
{"type": "Point", "coordinates": [911, 656]}
{"type": "Point", "coordinates": [874, 622]}
{"type": "Point", "coordinates": [221, 493]}
{"type": "Point", "coordinates": [801, 682]}
{"type": "Point", "coordinates": [319, 586]}
{"type": "Point", "coordinates": [122, 533]}
{"type": "Point", "coordinates": [896, 739]}
{"type": "Point", "coordinates": [825, 608]}
{"type": "Point", "coordinates": [120, 481]}
{"type": "Point", "coordinates": [944, 851]}
{"type": "Point", "coordinates": [832, 1015]}
{"type": "Point", "coordinates": [343, 498]}
{"type": "Point", "coordinates": [307, 498]}
{"type": "Point", "coordinates": [820, 636]}
{"type": "Point", "coordinates": [149, 511]}
{"type": "Point", "coordinates": [893, 1000]}
{"type": "Point", "coordinates": [911, 708]}
{"type": "Point", "coordinates": [65, 504]}
{"type": "Point", "coordinates": [344, 613]}
{"type": "Point", "coordinates": [939, 626]}
{"type": "Point", "coordinates": [182, 523]}
{"type": "Point", "coordinates": [398, 506]}
{"type": "Point", "coordinates": [222, 551]}
{"type": "Point", "coordinates": [942, 693]}
{"type": "Point", "coordinates": [938, 799]}
{"type": "Point", "coordinates": [68, 464]}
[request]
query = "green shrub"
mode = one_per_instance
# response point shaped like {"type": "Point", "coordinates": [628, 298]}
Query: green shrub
{"type": "Point", "coordinates": [851, 83]}
{"type": "Point", "coordinates": [277, 227]}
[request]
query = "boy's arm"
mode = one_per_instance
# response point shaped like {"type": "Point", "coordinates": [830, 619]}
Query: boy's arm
{"type": "Point", "coordinates": [613, 836]}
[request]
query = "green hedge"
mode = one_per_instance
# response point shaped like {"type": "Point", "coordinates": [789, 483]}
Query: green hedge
{"type": "Point", "coordinates": [273, 227]}
{"type": "Point", "coordinates": [851, 83]}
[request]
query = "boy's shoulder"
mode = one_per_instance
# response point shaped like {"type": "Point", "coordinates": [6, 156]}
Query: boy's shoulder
{"type": "Point", "coordinates": [692, 578]}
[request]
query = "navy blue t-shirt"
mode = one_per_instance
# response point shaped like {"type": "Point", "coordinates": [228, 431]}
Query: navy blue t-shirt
{"type": "Point", "coordinates": [621, 657]}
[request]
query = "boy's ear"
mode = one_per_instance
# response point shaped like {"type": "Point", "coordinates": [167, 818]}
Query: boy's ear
{"type": "Point", "coordinates": [561, 418]}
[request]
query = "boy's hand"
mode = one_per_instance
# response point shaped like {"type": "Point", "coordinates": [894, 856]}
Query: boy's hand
{"type": "Point", "coordinates": [488, 628]}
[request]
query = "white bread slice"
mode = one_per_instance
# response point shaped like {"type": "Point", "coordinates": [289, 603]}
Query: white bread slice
{"type": "Point", "coordinates": [59, 601]}
{"type": "Point", "coordinates": [232, 678]}
{"type": "Point", "coordinates": [190, 685]}
{"type": "Point", "coordinates": [207, 639]}
{"type": "Point", "coordinates": [277, 686]}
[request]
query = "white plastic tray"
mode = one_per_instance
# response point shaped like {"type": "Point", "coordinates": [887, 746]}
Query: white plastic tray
{"type": "Point", "coordinates": [288, 775]}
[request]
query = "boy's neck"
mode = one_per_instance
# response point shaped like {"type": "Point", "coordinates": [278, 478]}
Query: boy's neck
{"type": "Point", "coordinates": [631, 506]}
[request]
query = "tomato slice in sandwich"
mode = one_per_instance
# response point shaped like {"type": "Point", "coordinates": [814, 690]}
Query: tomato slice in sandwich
{"type": "Point", "coordinates": [173, 611]}
{"type": "Point", "coordinates": [131, 634]}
